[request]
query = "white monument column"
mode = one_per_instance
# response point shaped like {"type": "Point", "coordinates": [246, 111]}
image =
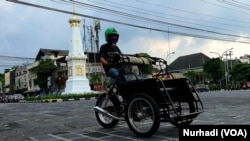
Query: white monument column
{"type": "Point", "coordinates": [77, 82]}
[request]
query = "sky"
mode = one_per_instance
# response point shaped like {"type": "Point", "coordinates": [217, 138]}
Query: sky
{"type": "Point", "coordinates": [157, 27]}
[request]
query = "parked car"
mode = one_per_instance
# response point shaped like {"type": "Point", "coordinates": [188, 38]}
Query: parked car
{"type": "Point", "coordinates": [4, 99]}
{"type": "Point", "coordinates": [18, 97]}
{"type": "Point", "coordinates": [246, 85]}
{"type": "Point", "coordinates": [201, 89]}
{"type": "Point", "coordinates": [11, 98]}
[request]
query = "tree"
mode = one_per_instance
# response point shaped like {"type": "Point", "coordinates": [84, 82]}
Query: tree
{"type": "Point", "coordinates": [191, 75]}
{"type": "Point", "coordinates": [214, 68]}
{"type": "Point", "coordinates": [43, 71]}
{"type": "Point", "coordinates": [2, 80]}
{"type": "Point", "coordinates": [240, 72]}
{"type": "Point", "coordinates": [195, 76]}
{"type": "Point", "coordinates": [6, 70]}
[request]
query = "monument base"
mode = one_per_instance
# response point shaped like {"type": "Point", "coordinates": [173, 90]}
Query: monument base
{"type": "Point", "coordinates": [77, 86]}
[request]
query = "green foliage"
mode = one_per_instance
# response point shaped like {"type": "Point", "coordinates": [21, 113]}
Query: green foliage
{"type": "Point", "coordinates": [197, 77]}
{"type": "Point", "coordinates": [59, 96]}
{"type": "Point", "coordinates": [214, 68]}
{"type": "Point", "coordinates": [106, 82]}
{"type": "Point", "coordinates": [240, 72]}
{"type": "Point", "coordinates": [95, 78]}
{"type": "Point", "coordinates": [213, 86]}
{"type": "Point", "coordinates": [2, 79]}
{"type": "Point", "coordinates": [43, 71]}
{"type": "Point", "coordinates": [191, 75]}
{"type": "Point", "coordinates": [6, 70]}
{"type": "Point", "coordinates": [143, 55]}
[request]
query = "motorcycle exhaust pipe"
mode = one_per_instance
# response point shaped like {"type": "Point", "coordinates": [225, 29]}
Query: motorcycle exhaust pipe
{"type": "Point", "coordinates": [104, 112]}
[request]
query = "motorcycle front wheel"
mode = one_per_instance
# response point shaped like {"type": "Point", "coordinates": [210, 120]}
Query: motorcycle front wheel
{"type": "Point", "coordinates": [110, 105]}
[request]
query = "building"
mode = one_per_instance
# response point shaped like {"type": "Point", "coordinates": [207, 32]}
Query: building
{"type": "Point", "coordinates": [245, 59]}
{"type": "Point", "coordinates": [21, 79]}
{"type": "Point", "coordinates": [7, 82]}
{"type": "Point", "coordinates": [192, 62]}
{"type": "Point", "coordinates": [10, 81]}
{"type": "Point", "coordinates": [31, 76]}
{"type": "Point", "coordinates": [57, 81]}
{"type": "Point", "coordinates": [189, 62]}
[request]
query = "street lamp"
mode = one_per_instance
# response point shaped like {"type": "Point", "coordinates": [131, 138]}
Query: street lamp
{"type": "Point", "coordinates": [217, 54]}
{"type": "Point", "coordinates": [221, 56]}
{"type": "Point", "coordinates": [169, 55]}
{"type": "Point", "coordinates": [226, 51]}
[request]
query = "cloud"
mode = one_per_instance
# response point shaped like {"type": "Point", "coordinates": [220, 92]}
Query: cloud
{"type": "Point", "coordinates": [24, 29]}
{"type": "Point", "coordinates": [239, 49]}
{"type": "Point", "coordinates": [181, 45]}
{"type": "Point", "coordinates": [6, 6]}
{"type": "Point", "coordinates": [159, 46]}
{"type": "Point", "coordinates": [27, 29]}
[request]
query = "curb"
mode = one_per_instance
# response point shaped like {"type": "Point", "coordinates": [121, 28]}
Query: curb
{"type": "Point", "coordinates": [54, 100]}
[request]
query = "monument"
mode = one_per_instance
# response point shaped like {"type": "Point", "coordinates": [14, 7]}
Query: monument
{"type": "Point", "coordinates": [77, 82]}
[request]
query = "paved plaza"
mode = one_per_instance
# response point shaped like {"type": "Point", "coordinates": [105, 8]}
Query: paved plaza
{"type": "Point", "coordinates": [75, 120]}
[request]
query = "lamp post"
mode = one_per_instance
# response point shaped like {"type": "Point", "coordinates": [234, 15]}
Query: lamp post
{"type": "Point", "coordinates": [221, 57]}
{"type": "Point", "coordinates": [169, 55]}
{"type": "Point", "coordinates": [217, 54]}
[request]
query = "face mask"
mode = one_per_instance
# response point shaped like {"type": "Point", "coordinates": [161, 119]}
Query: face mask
{"type": "Point", "coordinates": [112, 40]}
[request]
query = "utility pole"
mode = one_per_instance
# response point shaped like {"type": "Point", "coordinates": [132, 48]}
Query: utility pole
{"type": "Point", "coordinates": [226, 69]}
{"type": "Point", "coordinates": [91, 35]}
{"type": "Point", "coordinates": [84, 36]}
{"type": "Point", "coordinates": [231, 65]}
{"type": "Point", "coordinates": [231, 62]}
{"type": "Point", "coordinates": [226, 64]}
{"type": "Point", "coordinates": [97, 27]}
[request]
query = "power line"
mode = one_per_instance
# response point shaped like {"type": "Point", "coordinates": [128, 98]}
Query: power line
{"type": "Point", "coordinates": [139, 10]}
{"type": "Point", "coordinates": [3, 56]}
{"type": "Point", "coordinates": [241, 3]}
{"type": "Point", "coordinates": [225, 7]}
{"type": "Point", "coordinates": [154, 21]}
{"type": "Point", "coordinates": [128, 24]}
{"type": "Point", "coordinates": [163, 6]}
{"type": "Point", "coordinates": [234, 4]}
{"type": "Point", "coordinates": [161, 15]}
{"type": "Point", "coordinates": [10, 61]}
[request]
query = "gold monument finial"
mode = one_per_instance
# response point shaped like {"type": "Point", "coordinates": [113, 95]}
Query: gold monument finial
{"type": "Point", "coordinates": [74, 20]}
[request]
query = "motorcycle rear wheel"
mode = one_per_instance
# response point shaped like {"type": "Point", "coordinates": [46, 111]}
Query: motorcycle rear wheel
{"type": "Point", "coordinates": [182, 108]}
{"type": "Point", "coordinates": [143, 115]}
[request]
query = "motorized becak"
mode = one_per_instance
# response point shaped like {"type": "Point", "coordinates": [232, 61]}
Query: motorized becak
{"type": "Point", "coordinates": [145, 102]}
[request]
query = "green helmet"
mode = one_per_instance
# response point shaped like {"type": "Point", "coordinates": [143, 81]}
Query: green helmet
{"type": "Point", "coordinates": [111, 31]}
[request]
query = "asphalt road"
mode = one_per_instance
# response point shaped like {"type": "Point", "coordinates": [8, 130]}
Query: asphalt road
{"type": "Point", "coordinates": [75, 120]}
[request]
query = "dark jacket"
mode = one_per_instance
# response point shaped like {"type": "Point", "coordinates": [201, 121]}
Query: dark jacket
{"type": "Point", "coordinates": [104, 50]}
